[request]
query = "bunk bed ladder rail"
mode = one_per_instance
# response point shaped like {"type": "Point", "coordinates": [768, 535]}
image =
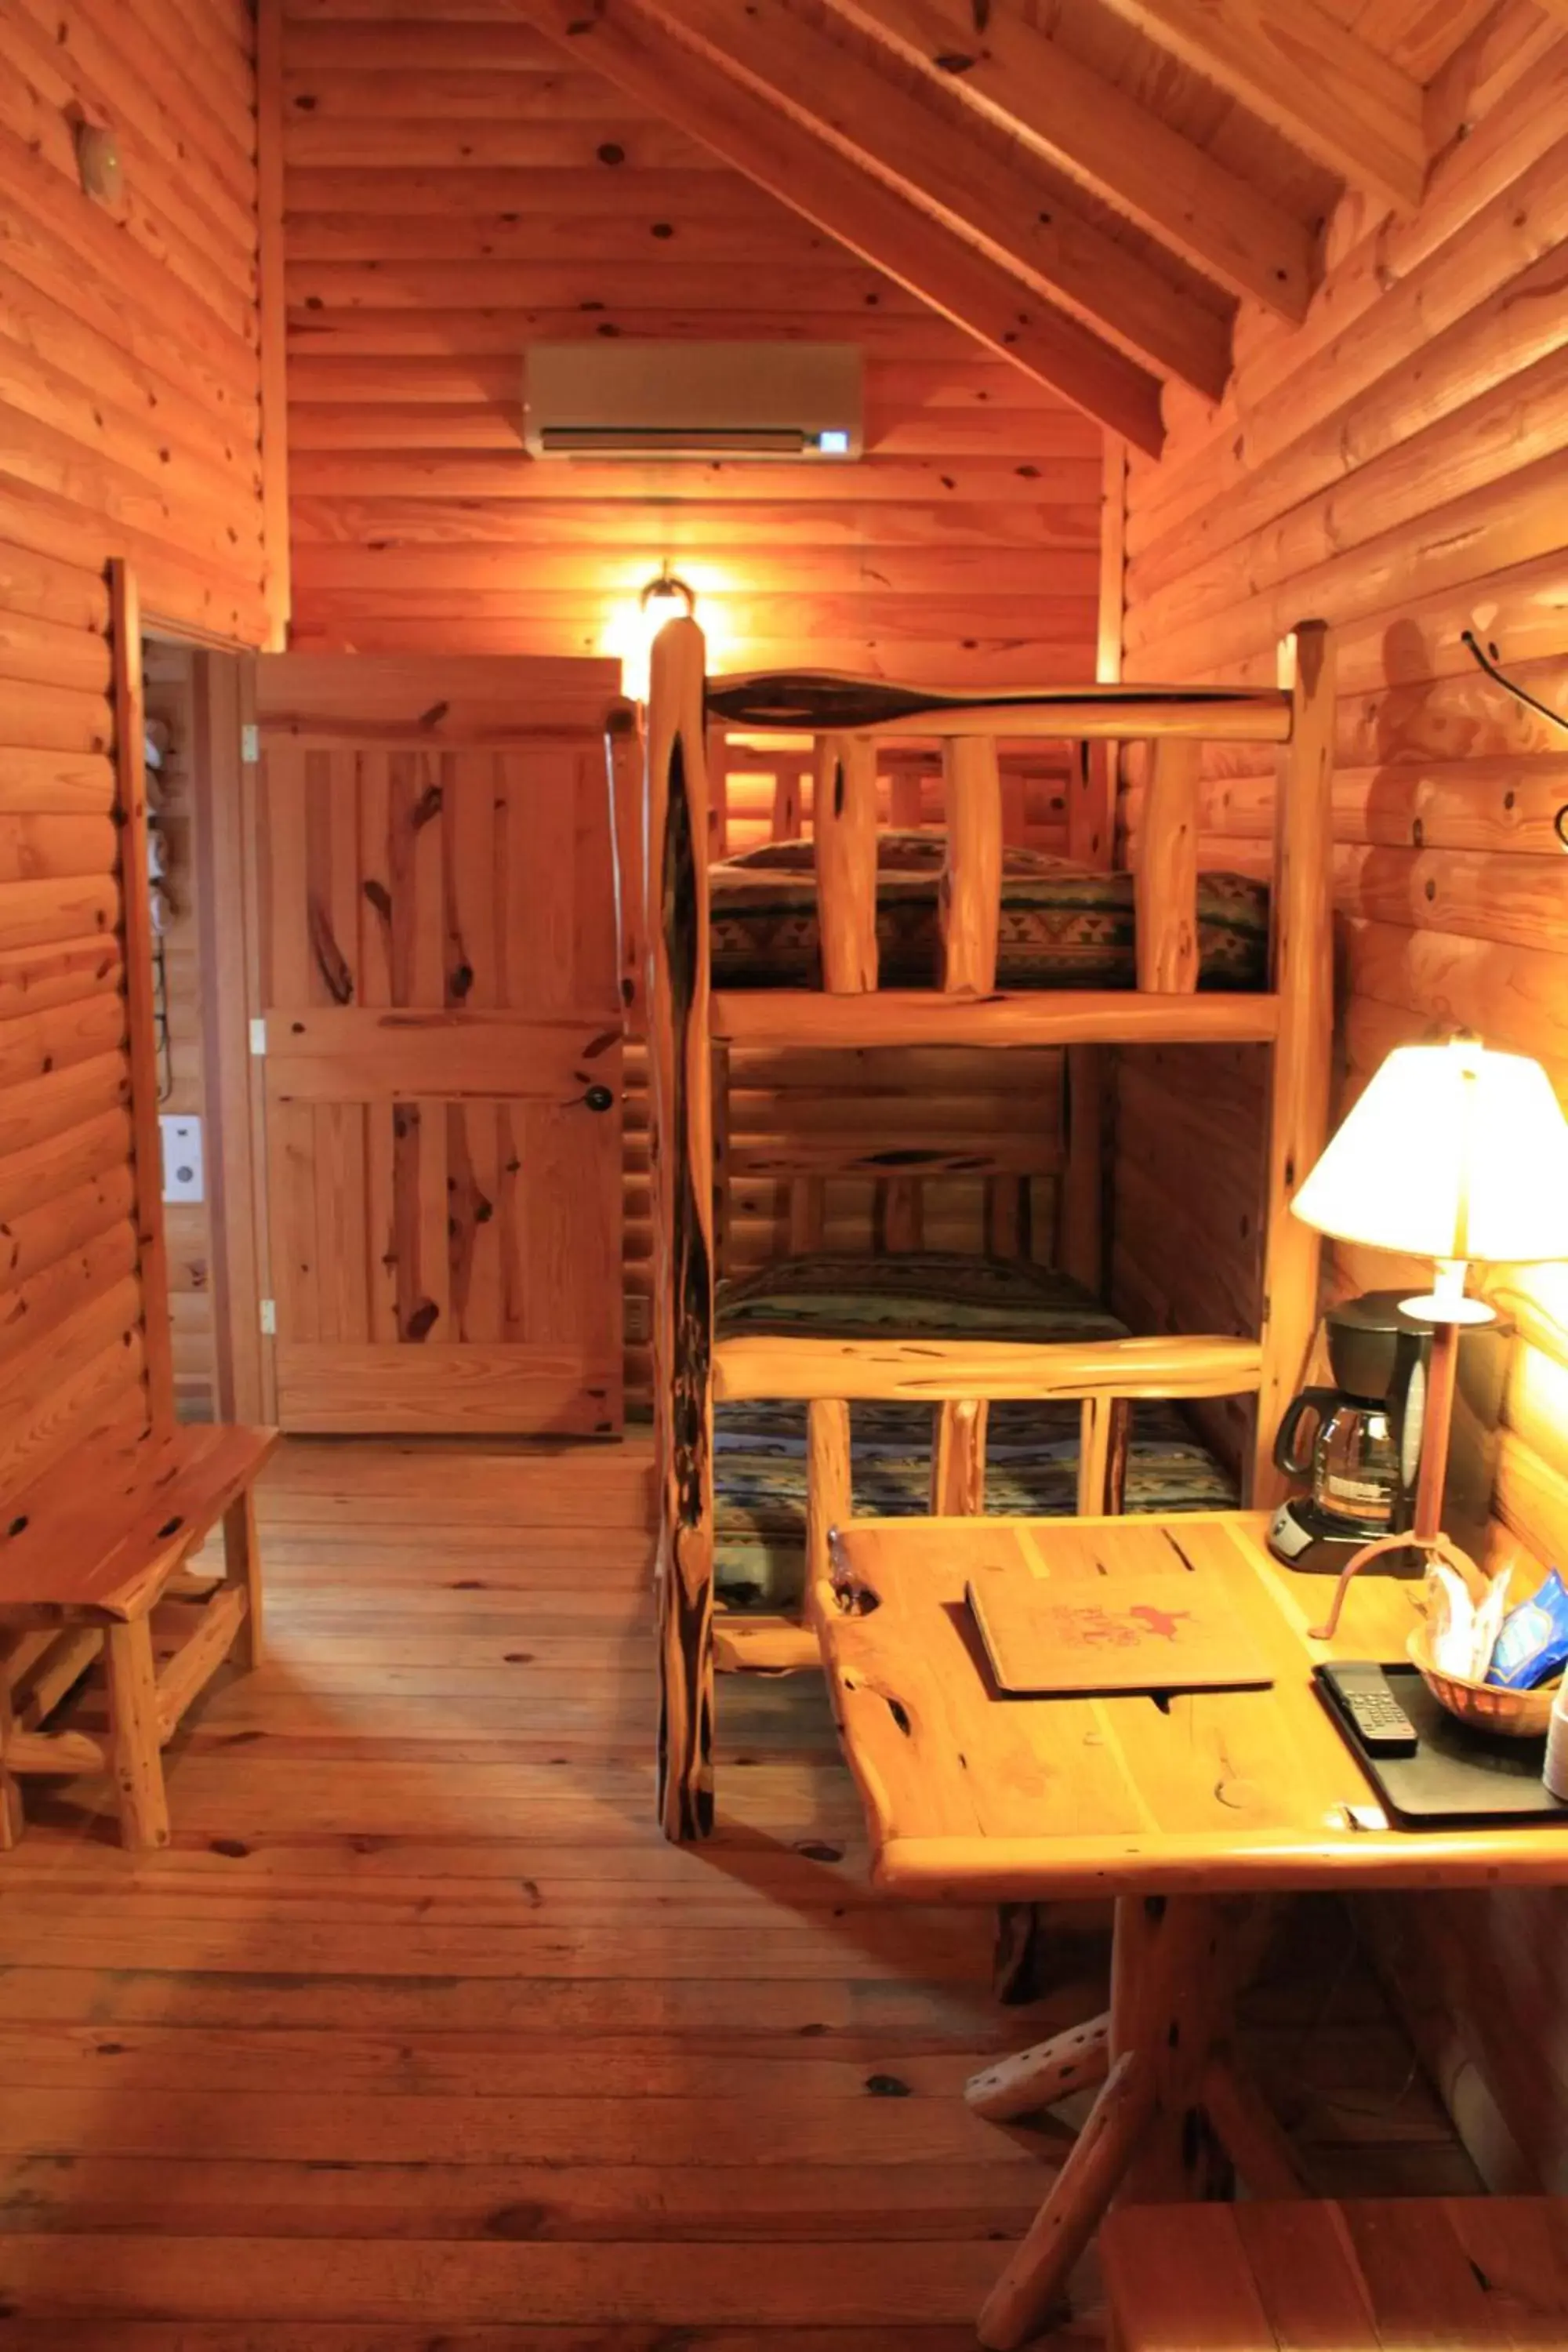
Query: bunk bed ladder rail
{"type": "Point", "coordinates": [680, 1136]}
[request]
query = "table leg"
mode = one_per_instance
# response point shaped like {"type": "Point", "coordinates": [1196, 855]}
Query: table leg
{"type": "Point", "coordinates": [1075, 2060]}
{"type": "Point", "coordinates": [1249, 2132]}
{"type": "Point", "coordinates": [1035, 2279]}
{"type": "Point", "coordinates": [1174, 1967]}
{"type": "Point", "coordinates": [1173, 1970]}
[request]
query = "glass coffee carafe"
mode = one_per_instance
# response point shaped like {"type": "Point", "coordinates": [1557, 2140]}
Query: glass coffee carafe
{"type": "Point", "coordinates": [1363, 1458]}
{"type": "Point", "coordinates": [1354, 1462]}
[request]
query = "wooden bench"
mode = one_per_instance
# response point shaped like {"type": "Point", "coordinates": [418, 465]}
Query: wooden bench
{"type": "Point", "coordinates": [86, 1555]}
{"type": "Point", "coordinates": [1461, 2273]}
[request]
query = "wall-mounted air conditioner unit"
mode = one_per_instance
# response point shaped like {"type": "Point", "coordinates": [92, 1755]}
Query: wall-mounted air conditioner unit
{"type": "Point", "coordinates": [623, 399]}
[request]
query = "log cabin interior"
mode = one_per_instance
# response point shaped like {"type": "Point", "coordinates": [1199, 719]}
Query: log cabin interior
{"type": "Point", "coordinates": [783, 806]}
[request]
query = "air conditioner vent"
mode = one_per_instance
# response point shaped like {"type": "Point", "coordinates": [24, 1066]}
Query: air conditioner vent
{"type": "Point", "coordinates": [653, 400]}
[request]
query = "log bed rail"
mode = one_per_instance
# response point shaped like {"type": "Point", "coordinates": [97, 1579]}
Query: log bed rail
{"type": "Point", "coordinates": [689, 1026]}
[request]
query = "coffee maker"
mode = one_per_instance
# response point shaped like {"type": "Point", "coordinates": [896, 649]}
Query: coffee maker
{"type": "Point", "coordinates": [1359, 1443]}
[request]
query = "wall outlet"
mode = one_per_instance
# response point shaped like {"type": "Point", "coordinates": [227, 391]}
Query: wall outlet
{"type": "Point", "coordinates": [183, 1171]}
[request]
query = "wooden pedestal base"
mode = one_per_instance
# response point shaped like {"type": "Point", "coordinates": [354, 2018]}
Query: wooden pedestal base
{"type": "Point", "coordinates": [1170, 2112]}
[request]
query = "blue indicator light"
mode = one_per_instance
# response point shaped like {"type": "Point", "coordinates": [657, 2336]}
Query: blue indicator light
{"type": "Point", "coordinates": [834, 442]}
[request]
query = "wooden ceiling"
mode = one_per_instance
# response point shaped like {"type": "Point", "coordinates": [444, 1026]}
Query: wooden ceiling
{"type": "Point", "coordinates": [1088, 187]}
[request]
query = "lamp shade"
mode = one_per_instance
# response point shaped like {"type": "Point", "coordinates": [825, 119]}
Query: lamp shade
{"type": "Point", "coordinates": [1452, 1153]}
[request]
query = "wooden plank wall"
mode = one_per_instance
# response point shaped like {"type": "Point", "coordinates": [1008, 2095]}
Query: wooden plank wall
{"type": "Point", "coordinates": [453, 189]}
{"type": "Point", "coordinates": [1398, 465]}
{"type": "Point", "coordinates": [129, 424]}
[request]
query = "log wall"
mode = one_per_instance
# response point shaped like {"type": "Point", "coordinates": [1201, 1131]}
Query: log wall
{"type": "Point", "coordinates": [1397, 466]}
{"type": "Point", "coordinates": [453, 189]}
{"type": "Point", "coordinates": [129, 425]}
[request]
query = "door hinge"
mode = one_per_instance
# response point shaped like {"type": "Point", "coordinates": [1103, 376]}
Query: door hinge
{"type": "Point", "coordinates": [269, 1319]}
{"type": "Point", "coordinates": [249, 745]}
{"type": "Point", "coordinates": [258, 1035]}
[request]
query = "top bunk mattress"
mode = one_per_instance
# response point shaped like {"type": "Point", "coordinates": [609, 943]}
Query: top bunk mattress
{"type": "Point", "coordinates": [1062, 925]}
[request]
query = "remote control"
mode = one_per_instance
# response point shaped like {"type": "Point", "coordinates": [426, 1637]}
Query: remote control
{"type": "Point", "coordinates": [1380, 1723]}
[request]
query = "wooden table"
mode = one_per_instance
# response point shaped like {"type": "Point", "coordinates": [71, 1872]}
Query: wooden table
{"type": "Point", "coordinates": [1180, 1807]}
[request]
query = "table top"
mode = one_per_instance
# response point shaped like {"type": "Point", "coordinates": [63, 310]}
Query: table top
{"type": "Point", "coordinates": [975, 1798]}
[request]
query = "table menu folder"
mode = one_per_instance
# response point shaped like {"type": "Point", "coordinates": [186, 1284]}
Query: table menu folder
{"type": "Point", "coordinates": [1051, 1639]}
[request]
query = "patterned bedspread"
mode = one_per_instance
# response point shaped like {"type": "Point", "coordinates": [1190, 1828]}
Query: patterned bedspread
{"type": "Point", "coordinates": [1031, 1449]}
{"type": "Point", "coordinates": [1062, 926]}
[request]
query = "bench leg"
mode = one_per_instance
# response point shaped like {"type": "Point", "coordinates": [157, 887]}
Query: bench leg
{"type": "Point", "coordinates": [242, 1565]}
{"type": "Point", "coordinates": [134, 1744]}
{"type": "Point", "coordinates": [10, 1787]}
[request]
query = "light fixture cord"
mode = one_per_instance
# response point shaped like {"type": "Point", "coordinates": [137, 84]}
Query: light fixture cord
{"type": "Point", "coordinates": [1532, 702]}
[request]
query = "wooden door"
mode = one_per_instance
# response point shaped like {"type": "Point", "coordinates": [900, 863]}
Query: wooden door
{"type": "Point", "coordinates": [443, 1045]}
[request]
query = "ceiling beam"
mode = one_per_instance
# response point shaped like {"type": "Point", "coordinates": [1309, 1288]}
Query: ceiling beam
{"type": "Point", "coordinates": [1008, 206]}
{"type": "Point", "coordinates": [1103, 138]}
{"type": "Point", "coordinates": [645, 57]}
{"type": "Point", "coordinates": [1316, 82]}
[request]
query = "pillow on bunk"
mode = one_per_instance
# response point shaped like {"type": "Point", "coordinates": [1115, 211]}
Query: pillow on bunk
{"type": "Point", "coordinates": [924, 1294]}
{"type": "Point", "coordinates": [1062, 926]}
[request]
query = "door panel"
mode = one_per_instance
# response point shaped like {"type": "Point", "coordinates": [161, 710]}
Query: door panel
{"type": "Point", "coordinates": [443, 1050]}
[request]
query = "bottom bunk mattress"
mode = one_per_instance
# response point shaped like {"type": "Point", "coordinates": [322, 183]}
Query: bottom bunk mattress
{"type": "Point", "coordinates": [1032, 1449]}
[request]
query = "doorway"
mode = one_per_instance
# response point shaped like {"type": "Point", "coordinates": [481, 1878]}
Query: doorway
{"type": "Point", "coordinates": [389, 1036]}
{"type": "Point", "coordinates": [440, 1047]}
{"type": "Point", "coordinates": [194, 698]}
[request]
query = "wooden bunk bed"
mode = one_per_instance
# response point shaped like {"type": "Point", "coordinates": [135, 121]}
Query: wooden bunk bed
{"type": "Point", "coordinates": [704, 1359]}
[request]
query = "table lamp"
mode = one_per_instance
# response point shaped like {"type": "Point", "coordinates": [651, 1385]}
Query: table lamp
{"type": "Point", "coordinates": [1459, 1155]}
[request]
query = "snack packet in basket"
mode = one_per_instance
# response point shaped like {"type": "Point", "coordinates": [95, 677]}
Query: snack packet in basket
{"type": "Point", "coordinates": [1532, 1643]}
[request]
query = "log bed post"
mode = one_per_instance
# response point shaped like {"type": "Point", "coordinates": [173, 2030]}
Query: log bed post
{"type": "Point", "coordinates": [906, 798]}
{"type": "Point", "coordinates": [1165, 884]}
{"type": "Point", "coordinates": [718, 762]}
{"type": "Point", "coordinates": [1303, 980]}
{"type": "Point", "coordinates": [844, 837]}
{"type": "Point", "coordinates": [972, 876]}
{"type": "Point", "coordinates": [1081, 1192]}
{"type": "Point", "coordinates": [971, 931]}
{"type": "Point", "coordinates": [675, 865]}
{"type": "Point", "coordinates": [829, 1500]}
{"type": "Point", "coordinates": [844, 831]}
{"type": "Point", "coordinates": [788, 798]}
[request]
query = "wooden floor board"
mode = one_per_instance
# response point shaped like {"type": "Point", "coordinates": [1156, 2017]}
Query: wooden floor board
{"type": "Point", "coordinates": [419, 2035]}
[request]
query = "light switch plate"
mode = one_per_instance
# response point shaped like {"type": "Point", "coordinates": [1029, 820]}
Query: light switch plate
{"type": "Point", "coordinates": [184, 1175]}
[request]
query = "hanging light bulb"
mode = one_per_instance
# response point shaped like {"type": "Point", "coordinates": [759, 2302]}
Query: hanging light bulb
{"type": "Point", "coordinates": [664, 599]}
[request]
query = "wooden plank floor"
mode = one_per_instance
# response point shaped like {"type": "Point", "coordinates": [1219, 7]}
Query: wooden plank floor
{"type": "Point", "coordinates": [419, 2038]}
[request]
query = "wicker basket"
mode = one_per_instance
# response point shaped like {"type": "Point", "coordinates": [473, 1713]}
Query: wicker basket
{"type": "Point", "coordinates": [1511, 1715]}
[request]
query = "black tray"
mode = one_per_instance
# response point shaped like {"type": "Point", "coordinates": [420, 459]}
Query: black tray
{"type": "Point", "coordinates": [1457, 1774]}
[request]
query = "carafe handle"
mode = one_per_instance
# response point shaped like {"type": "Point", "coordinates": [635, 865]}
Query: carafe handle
{"type": "Point", "coordinates": [1321, 1402]}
